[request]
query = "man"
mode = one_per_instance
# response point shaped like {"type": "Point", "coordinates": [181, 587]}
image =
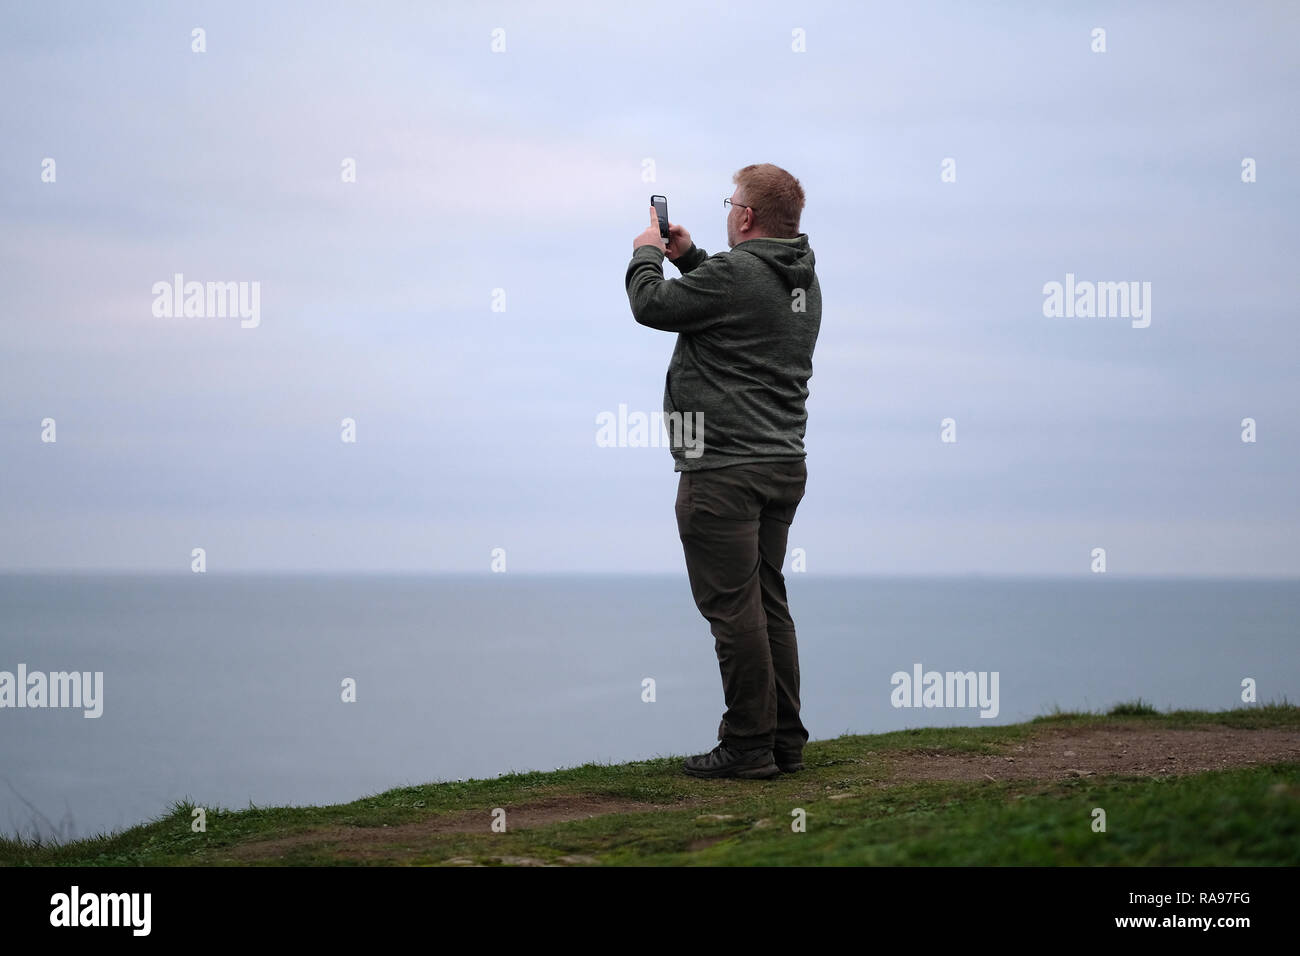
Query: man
{"type": "Point", "coordinates": [746, 323]}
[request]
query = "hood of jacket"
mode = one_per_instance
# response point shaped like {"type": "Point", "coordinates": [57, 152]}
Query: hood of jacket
{"type": "Point", "coordinates": [792, 259]}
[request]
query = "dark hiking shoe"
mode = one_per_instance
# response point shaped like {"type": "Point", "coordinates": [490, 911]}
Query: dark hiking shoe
{"type": "Point", "coordinates": [788, 761]}
{"type": "Point", "coordinates": [722, 761]}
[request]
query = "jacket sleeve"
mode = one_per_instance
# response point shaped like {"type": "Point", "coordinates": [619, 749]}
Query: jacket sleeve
{"type": "Point", "coordinates": [689, 259]}
{"type": "Point", "coordinates": [699, 300]}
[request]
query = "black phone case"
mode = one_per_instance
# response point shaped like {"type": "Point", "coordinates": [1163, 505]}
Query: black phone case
{"type": "Point", "coordinates": [663, 219]}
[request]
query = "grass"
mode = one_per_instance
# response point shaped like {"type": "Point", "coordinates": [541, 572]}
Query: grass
{"type": "Point", "coordinates": [1222, 818]}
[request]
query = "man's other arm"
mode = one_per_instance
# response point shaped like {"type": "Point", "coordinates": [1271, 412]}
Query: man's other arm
{"type": "Point", "coordinates": [689, 259]}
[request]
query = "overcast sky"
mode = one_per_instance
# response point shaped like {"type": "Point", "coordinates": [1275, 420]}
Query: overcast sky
{"type": "Point", "coordinates": [523, 170]}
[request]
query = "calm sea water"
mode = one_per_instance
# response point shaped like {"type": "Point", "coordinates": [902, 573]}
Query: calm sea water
{"type": "Point", "coordinates": [227, 689]}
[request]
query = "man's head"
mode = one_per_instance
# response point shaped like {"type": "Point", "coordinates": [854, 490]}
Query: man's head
{"type": "Point", "coordinates": [767, 203]}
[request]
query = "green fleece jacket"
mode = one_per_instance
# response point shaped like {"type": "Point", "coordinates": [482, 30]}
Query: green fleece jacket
{"type": "Point", "coordinates": [746, 323]}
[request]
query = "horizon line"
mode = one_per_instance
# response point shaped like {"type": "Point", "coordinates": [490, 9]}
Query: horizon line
{"type": "Point", "coordinates": [431, 573]}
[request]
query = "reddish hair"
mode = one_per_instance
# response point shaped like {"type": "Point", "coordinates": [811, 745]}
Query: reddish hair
{"type": "Point", "coordinates": [776, 197]}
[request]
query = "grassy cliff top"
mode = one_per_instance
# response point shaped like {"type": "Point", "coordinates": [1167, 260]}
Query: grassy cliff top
{"type": "Point", "coordinates": [1176, 788]}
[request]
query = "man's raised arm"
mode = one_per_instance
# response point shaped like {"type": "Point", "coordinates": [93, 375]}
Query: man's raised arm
{"type": "Point", "coordinates": [699, 300]}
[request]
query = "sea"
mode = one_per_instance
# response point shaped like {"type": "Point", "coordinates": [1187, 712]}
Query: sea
{"type": "Point", "coordinates": [233, 691]}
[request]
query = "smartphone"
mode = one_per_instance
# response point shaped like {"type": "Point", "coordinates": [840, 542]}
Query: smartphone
{"type": "Point", "coordinates": [661, 210]}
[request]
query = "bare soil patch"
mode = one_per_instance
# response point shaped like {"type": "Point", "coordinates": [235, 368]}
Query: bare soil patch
{"type": "Point", "coordinates": [1059, 752]}
{"type": "Point", "coordinates": [355, 841]}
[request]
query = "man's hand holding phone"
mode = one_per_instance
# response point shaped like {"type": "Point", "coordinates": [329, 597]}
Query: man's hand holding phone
{"type": "Point", "coordinates": [652, 236]}
{"type": "Point", "coordinates": [679, 240]}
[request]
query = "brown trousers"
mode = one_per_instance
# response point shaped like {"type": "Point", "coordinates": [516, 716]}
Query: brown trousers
{"type": "Point", "coordinates": [734, 523]}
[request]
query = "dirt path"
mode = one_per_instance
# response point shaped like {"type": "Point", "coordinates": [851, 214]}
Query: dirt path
{"type": "Point", "coordinates": [360, 842]}
{"type": "Point", "coordinates": [1056, 753]}
{"type": "Point", "coordinates": [1051, 754]}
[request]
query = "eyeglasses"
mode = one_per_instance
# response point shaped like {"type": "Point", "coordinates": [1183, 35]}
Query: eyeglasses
{"type": "Point", "coordinates": [727, 202]}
